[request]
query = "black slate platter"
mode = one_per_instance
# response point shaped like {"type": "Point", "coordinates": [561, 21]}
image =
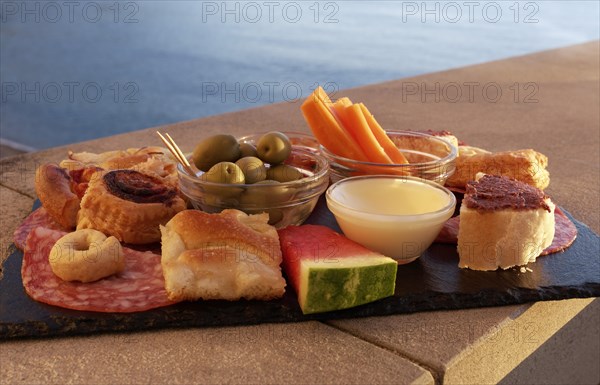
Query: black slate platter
{"type": "Point", "coordinates": [432, 282]}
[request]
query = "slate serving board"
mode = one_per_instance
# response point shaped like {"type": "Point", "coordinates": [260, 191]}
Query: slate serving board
{"type": "Point", "coordinates": [433, 282]}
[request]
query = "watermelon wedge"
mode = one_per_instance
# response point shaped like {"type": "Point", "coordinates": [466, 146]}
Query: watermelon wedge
{"type": "Point", "coordinates": [330, 272]}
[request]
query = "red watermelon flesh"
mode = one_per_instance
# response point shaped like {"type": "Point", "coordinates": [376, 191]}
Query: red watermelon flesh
{"type": "Point", "coordinates": [331, 272]}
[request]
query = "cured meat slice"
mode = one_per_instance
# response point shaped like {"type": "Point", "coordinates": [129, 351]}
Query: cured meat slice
{"type": "Point", "coordinates": [37, 218]}
{"type": "Point", "coordinates": [456, 190]}
{"type": "Point", "coordinates": [565, 232]}
{"type": "Point", "coordinates": [139, 287]}
{"type": "Point", "coordinates": [449, 233]}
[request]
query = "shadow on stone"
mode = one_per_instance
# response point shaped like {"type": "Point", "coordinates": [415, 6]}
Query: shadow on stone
{"type": "Point", "coordinates": [568, 351]}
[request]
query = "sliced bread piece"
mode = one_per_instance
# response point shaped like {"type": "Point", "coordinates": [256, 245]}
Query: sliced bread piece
{"type": "Point", "coordinates": [503, 223]}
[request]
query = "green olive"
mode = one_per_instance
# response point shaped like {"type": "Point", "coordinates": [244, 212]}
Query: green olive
{"type": "Point", "coordinates": [222, 196]}
{"type": "Point", "coordinates": [302, 212]}
{"type": "Point", "coordinates": [268, 181]}
{"type": "Point", "coordinates": [224, 172]}
{"type": "Point", "coordinates": [273, 147]}
{"type": "Point", "coordinates": [247, 149]}
{"type": "Point", "coordinates": [255, 198]}
{"type": "Point", "coordinates": [264, 194]}
{"type": "Point", "coordinates": [253, 168]}
{"type": "Point", "coordinates": [275, 215]}
{"type": "Point", "coordinates": [215, 149]}
{"type": "Point", "coordinates": [211, 204]}
{"type": "Point", "coordinates": [219, 197]}
{"type": "Point", "coordinates": [284, 173]}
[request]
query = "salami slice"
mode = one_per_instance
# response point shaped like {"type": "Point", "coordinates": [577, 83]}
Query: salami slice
{"type": "Point", "coordinates": [457, 190]}
{"type": "Point", "coordinates": [565, 232]}
{"type": "Point", "coordinates": [37, 218]}
{"type": "Point", "coordinates": [139, 287]}
{"type": "Point", "coordinates": [449, 233]}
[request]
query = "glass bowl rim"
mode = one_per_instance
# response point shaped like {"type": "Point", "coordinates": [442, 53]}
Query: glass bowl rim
{"type": "Point", "coordinates": [307, 135]}
{"type": "Point", "coordinates": [322, 172]}
{"type": "Point", "coordinates": [448, 207]}
{"type": "Point", "coordinates": [447, 159]}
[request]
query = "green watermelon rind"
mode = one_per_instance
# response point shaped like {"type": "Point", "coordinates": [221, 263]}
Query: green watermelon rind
{"type": "Point", "coordinates": [329, 288]}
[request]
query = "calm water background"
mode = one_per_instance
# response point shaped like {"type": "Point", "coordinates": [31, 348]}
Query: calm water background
{"type": "Point", "coordinates": [98, 68]}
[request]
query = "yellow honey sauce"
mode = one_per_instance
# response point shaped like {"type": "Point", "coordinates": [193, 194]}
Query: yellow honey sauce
{"type": "Point", "coordinates": [396, 216]}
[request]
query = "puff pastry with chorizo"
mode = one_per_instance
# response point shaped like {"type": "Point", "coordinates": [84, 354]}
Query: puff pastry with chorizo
{"type": "Point", "coordinates": [128, 205]}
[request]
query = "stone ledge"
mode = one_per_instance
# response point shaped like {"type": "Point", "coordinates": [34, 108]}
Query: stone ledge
{"type": "Point", "coordinates": [304, 353]}
{"type": "Point", "coordinates": [476, 345]}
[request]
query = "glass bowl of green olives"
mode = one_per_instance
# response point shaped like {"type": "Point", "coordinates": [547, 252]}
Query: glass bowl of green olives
{"type": "Point", "coordinates": [281, 174]}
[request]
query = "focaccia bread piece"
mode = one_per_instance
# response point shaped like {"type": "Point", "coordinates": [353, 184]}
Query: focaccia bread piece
{"type": "Point", "coordinates": [128, 205]}
{"type": "Point", "coordinates": [528, 166]}
{"type": "Point", "coordinates": [230, 255]}
{"type": "Point", "coordinates": [503, 223]}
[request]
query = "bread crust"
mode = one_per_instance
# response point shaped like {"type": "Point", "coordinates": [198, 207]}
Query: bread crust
{"type": "Point", "coordinates": [231, 226]}
{"type": "Point", "coordinates": [528, 166]}
{"type": "Point", "coordinates": [230, 255]}
{"type": "Point", "coordinates": [53, 188]}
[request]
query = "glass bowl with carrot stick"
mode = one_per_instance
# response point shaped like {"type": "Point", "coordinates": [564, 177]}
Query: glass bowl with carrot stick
{"type": "Point", "coordinates": [427, 157]}
{"type": "Point", "coordinates": [355, 144]}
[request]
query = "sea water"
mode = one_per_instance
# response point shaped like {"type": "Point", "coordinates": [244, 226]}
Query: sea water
{"type": "Point", "coordinates": [72, 71]}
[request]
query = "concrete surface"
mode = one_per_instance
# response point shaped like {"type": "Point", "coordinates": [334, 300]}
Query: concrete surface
{"type": "Point", "coordinates": [575, 354]}
{"type": "Point", "coordinates": [7, 151]}
{"type": "Point", "coordinates": [472, 346]}
{"type": "Point", "coordinates": [266, 354]}
{"type": "Point", "coordinates": [15, 207]}
{"type": "Point", "coordinates": [555, 111]}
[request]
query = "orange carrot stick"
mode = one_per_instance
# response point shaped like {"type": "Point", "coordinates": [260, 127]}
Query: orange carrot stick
{"type": "Point", "coordinates": [357, 125]}
{"type": "Point", "coordinates": [339, 110]}
{"type": "Point", "coordinates": [348, 140]}
{"type": "Point", "coordinates": [345, 102]}
{"type": "Point", "coordinates": [390, 148]}
{"type": "Point", "coordinates": [327, 130]}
